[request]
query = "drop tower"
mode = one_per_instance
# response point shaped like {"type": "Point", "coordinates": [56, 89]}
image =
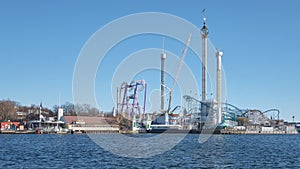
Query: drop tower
{"type": "Point", "coordinates": [204, 35]}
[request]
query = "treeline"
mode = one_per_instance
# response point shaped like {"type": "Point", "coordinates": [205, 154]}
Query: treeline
{"type": "Point", "coordinates": [9, 110]}
{"type": "Point", "coordinates": [79, 109]}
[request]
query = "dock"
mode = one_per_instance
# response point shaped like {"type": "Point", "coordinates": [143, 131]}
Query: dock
{"type": "Point", "coordinates": [232, 131]}
{"type": "Point", "coordinates": [17, 132]}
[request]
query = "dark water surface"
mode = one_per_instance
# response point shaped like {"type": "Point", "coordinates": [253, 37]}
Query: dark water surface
{"type": "Point", "coordinates": [220, 151]}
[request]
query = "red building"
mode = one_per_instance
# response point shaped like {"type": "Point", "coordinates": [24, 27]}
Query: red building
{"type": "Point", "coordinates": [10, 125]}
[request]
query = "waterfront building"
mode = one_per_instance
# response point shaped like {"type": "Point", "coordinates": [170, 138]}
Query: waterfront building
{"type": "Point", "coordinates": [91, 124]}
{"type": "Point", "coordinates": [9, 125]}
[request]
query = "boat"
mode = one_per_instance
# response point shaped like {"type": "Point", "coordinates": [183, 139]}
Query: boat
{"type": "Point", "coordinates": [160, 128]}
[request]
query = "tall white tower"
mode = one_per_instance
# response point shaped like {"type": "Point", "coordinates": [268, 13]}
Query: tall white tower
{"type": "Point", "coordinates": [219, 55]}
{"type": "Point", "coordinates": [60, 113]}
{"type": "Point", "coordinates": [162, 83]}
{"type": "Point", "coordinates": [204, 34]}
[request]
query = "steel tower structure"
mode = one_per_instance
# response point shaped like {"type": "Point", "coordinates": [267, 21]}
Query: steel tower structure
{"type": "Point", "coordinates": [204, 34]}
{"type": "Point", "coordinates": [162, 83]}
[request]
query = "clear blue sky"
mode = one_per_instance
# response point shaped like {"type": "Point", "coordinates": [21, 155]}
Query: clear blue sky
{"type": "Point", "coordinates": [40, 42]}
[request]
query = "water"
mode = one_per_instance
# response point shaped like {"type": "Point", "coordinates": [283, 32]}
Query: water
{"type": "Point", "coordinates": [220, 151]}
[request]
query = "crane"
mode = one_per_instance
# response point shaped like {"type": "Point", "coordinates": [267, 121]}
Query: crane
{"type": "Point", "coordinates": [178, 71]}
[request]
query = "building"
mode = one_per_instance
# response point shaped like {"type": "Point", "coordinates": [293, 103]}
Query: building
{"type": "Point", "coordinates": [9, 125]}
{"type": "Point", "coordinates": [21, 115]}
{"type": "Point", "coordinates": [91, 124]}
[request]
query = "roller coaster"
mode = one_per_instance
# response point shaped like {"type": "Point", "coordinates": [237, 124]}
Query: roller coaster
{"type": "Point", "coordinates": [128, 100]}
{"type": "Point", "coordinates": [231, 113]}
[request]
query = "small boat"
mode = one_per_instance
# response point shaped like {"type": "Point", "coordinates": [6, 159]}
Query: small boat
{"type": "Point", "coordinates": [161, 128]}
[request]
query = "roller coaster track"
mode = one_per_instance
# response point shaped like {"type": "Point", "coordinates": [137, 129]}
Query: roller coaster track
{"type": "Point", "coordinates": [226, 106]}
{"type": "Point", "coordinates": [240, 111]}
{"type": "Point", "coordinates": [257, 116]}
{"type": "Point", "coordinates": [276, 113]}
{"type": "Point", "coordinates": [253, 111]}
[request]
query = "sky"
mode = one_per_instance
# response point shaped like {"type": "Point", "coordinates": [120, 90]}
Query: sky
{"type": "Point", "coordinates": [41, 41]}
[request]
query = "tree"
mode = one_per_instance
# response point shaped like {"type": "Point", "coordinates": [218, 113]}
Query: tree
{"type": "Point", "coordinates": [94, 111]}
{"type": "Point", "coordinates": [242, 121]}
{"type": "Point", "coordinates": [69, 109]}
{"type": "Point", "coordinates": [86, 110]}
{"type": "Point", "coordinates": [79, 109]}
{"type": "Point", "coordinates": [55, 109]}
{"type": "Point", "coordinates": [8, 110]}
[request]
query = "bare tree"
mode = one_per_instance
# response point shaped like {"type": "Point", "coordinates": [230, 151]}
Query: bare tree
{"type": "Point", "coordinates": [55, 109]}
{"type": "Point", "coordinates": [69, 109]}
{"type": "Point", "coordinates": [79, 109]}
{"type": "Point", "coordinates": [8, 110]}
{"type": "Point", "coordinates": [93, 112]}
{"type": "Point", "coordinates": [86, 110]}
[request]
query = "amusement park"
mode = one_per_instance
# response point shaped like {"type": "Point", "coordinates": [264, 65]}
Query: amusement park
{"type": "Point", "coordinates": [193, 115]}
{"type": "Point", "coordinates": [198, 111]}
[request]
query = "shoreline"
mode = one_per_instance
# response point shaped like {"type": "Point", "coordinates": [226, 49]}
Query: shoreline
{"type": "Point", "coordinates": [221, 132]}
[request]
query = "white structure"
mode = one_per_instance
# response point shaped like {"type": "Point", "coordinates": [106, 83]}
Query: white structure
{"type": "Point", "coordinates": [60, 113]}
{"type": "Point", "coordinates": [219, 87]}
{"type": "Point", "coordinates": [162, 83]}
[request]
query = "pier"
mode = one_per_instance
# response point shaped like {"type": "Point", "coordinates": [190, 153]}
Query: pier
{"type": "Point", "coordinates": [17, 132]}
{"type": "Point", "coordinates": [232, 131]}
